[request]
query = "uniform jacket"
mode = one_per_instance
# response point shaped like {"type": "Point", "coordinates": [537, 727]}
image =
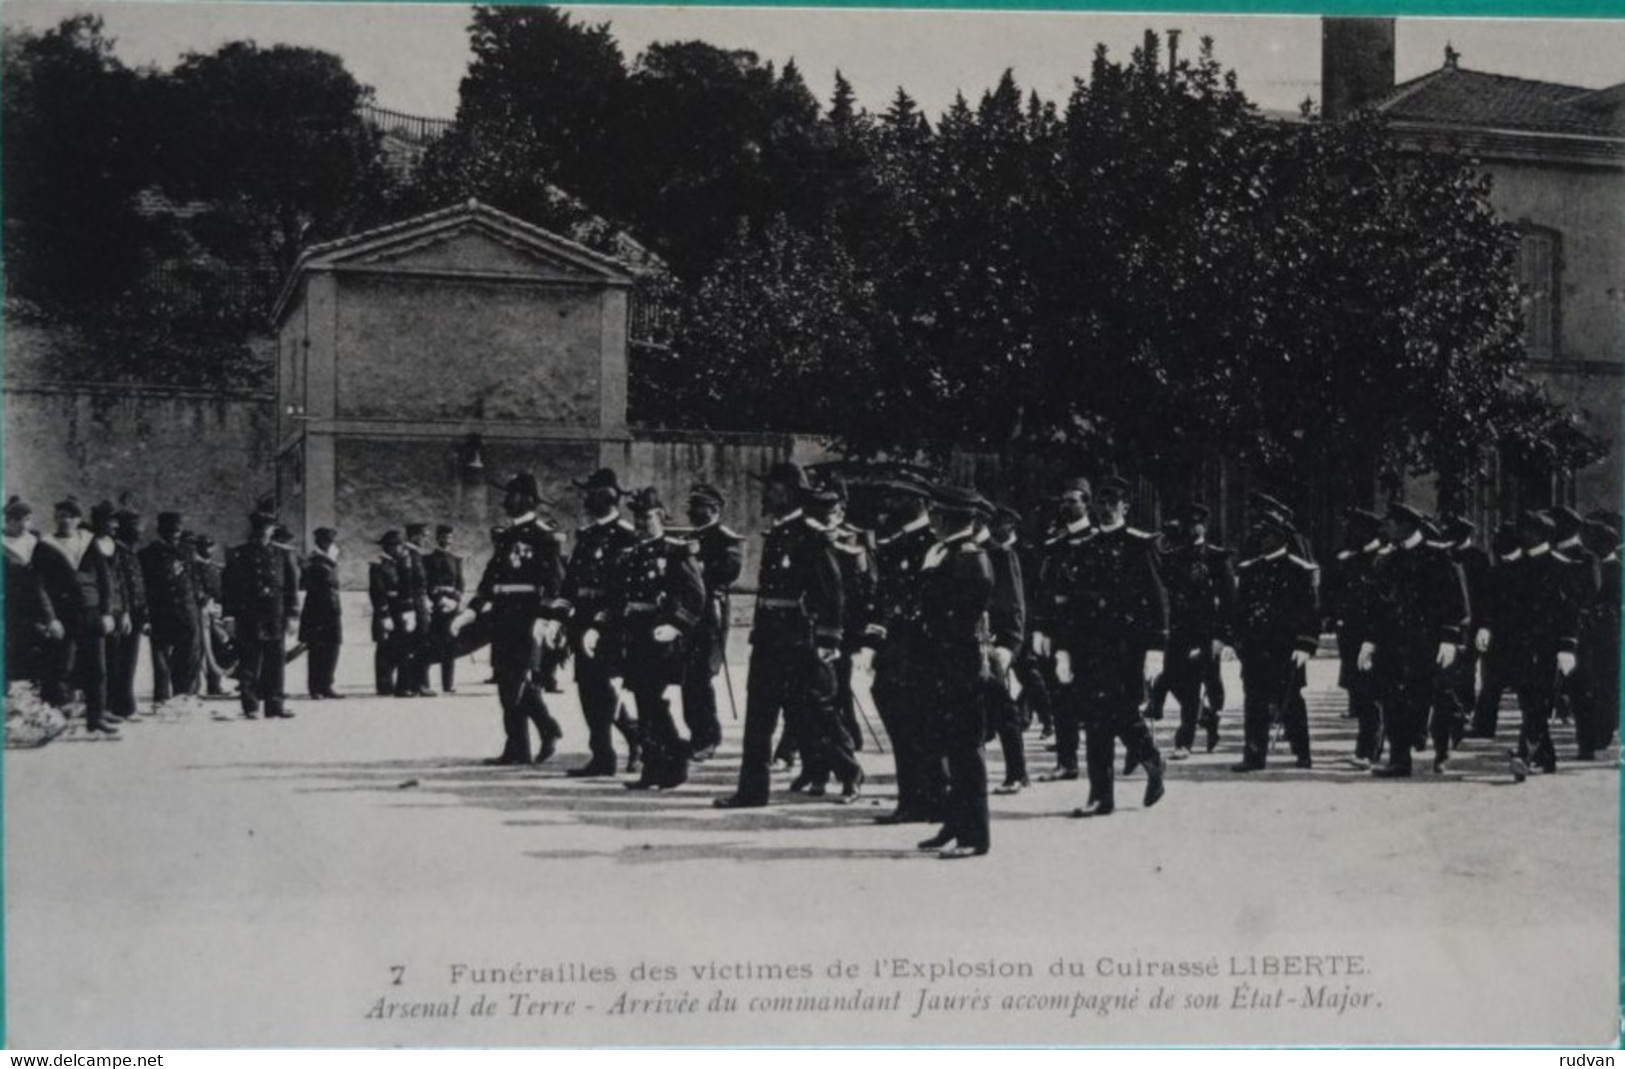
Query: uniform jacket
{"type": "Point", "coordinates": [1474, 563]}
{"type": "Point", "coordinates": [1116, 608]}
{"type": "Point", "coordinates": [1059, 559]}
{"type": "Point", "coordinates": [655, 582]}
{"type": "Point", "coordinates": [859, 582]}
{"type": "Point", "coordinates": [260, 589]}
{"type": "Point", "coordinates": [1537, 615]}
{"type": "Point", "coordinates": [587, 577]}
{"type": "Point", "coordinates": [894, 624]}
{"type": "Point", "coordinates": [1007, 609]}
{"type": "Point", "coordinates": [387, 593]}
{"type": "Point", "coordinates": [322, 622]}
{"type": "Point", "coordinates": [443, 572]}
{"type": "Point", "coordinates": [1201, 585]}
{"type": "Point", "coordinates": [1421, 600]}
{"type": "Point", "coordinates": [172, 597]}
{"type": "Point", "coordinates": [78, 583]}
{"type": "Point", "coordinates": [132, 582]}
{"type": "Point", "coordinates": [1276, 611]}
{"type": "Point", "coordinates": [28, 606]}
{"type": "Point", "coordinates": [956, 594]}
{"type": "Point", "coordinates": [206, 578]}
{"type": "Point", "coordinates": [799, 600]}
{"type": "Point", "coordinates": [525, 575]}
{"type": "Point", "coordinates": [415, 580]}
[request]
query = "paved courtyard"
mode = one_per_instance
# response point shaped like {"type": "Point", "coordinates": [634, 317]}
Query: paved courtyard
{"type": "Point", "coordinates": [355, 876]}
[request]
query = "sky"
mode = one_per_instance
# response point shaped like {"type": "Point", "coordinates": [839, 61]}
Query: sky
{"type": "Point", "coordinates": [414, 55]}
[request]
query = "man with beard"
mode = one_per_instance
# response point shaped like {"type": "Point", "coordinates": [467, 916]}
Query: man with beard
{"type": "Point", "coordinates": [721, 558]}
{"type": "Point", "coordinates": [656, 599]}
{"type": "Point", "coordinates": [599, 543]}
{"type": "Point", "coordinates": [521, 586]}
{"type": "Point", "coordinates": [167, 571]}
{"type": "Point", "coordinates": [795, 642]}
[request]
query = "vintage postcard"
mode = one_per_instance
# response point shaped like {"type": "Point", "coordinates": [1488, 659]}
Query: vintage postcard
{"type": "Point", "coordinates": [677, 526]}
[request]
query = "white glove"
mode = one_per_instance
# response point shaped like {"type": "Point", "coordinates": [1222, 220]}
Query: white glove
{"type": "Point", "coordinates": [387, 625]}
{"type": "Point", "coordinates": [108, 625]}
{"type": "Point", "coordinates": [291, 626]}
{"type": "Point", "coordinates": [1300, 659]}
{"type": "Point", "coordinates": [666, 633]}
{"type": "Point", "coordinates": [410, 623]}
{"type": "Point", "coordinates": [1063, 667]}
{"type": "Point", "coordinates": [1565, 662]}
{"type": "Point", "coordinates": [124, 626]}
{"type": "Point", "coordinates": [1041, 645]}
{"type": "Point", "coordinates": [589, 642]}
{"type": "Point", "coordinates": [1225, 653]}
{"type": "Point", "coordinates": [448, 604]}
{"type": "Point", "coordinates": [551, 633]}
{"type": "Point", "coordinates": [1000, 659]}
{"type": "Point", "coordinates": [1218, 648]}
{"type": "Point", "coordinates": [461, 620]}
{"type": "Point", "coordinates": [934, 556]}
{"type": "Point", "coordinates": [1367, 653]}
{"type": "Point", "coordinates": [54, 629]}
{"type": "Point", "coordinates": [1153, 666]}
{"type": "Point", "coordinates": [864, 660]}
{"type": "Point", "coordinates": [828, 654]}
{"type": "Point", "coordinates": [1447, 654]}
{"type": "Point", "coordinates": [1482, 640]}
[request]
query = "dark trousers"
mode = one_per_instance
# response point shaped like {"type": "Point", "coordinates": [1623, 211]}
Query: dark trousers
{"type": "Point", "coordinates": [846, 703]}
{"type": "Point", "coordinates": [515, 658]}
{"type": "Point", "coordinates": [123, 654]}
{"type": "Point", "coordinates": [959, 704]}
{"type": "Point", "coordinates": [1269, 682]}
{"type": "Point", "coordinates": [1184, 676]}
{"type": "Point", "coordinates": [599, 704]}
{"type": "Point", "coordinates": [792, 680]}
{"type": "Point", "coordinates": [1535, 701]}
{"type": "Point", "coordinates": [700, 699]}
{"type": "Point", "coordinates": [321, 667]}
{"type": "Point", "coordinates": [665, 754]}
{"type": "Point", "coordinates": [1108, 706]}
{"type": "Point", "coordinates": [1005, 719]}
{"type": "Point", "coordinates": [1594, 690]}
{"type": "Point", "coordinates": [82, 666]}
{"type": "Point", "coordinates": [441, 643]}
{"type": "Point", "coordinates": [1487, 709]}
{"type": "Point", "coordinates": [1035, 689]}
{"type": "Point", "coordinates": [1407, 687]}
{"type": "Point", "coordinates": [260, 674]}
{"type": "Point", "coordinates": [1366, 710]}
{"type": "Point", "coordinates": [388, 672]}
{"type": "Point", "coordinates": [900, 692]}
{"type": "Point", "coordinates": [175, 656]}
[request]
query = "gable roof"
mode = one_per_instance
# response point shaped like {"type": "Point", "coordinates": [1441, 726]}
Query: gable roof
{"type": "Point", "coordinates": [393, 238]}
{"type": "Point", "coordinates": [1466, 98]}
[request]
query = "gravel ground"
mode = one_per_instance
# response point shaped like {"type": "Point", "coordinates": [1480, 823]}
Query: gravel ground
{"type": "Point", "coordinates": [355, 877]}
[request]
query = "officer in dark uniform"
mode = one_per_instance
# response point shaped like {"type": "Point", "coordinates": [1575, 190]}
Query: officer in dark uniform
{"type": "Point", "coordinates": [1584, 576]}
{"type": "Point", "coordinates": [1462, 679]}
{"type": "Point", "coordinates": [956, 598]}
{"type": "Point", "coordinates": [215, 647]}
{"type": "Point", "coordinates": [1599, 643]}
{"type": "Point", "coordinates": [1348, 603]}
{"type": "Point", "coordinates": [321, 624]}
{"type": "Point", "coordinates": [443, 572]}
{"type": "Point", "coordinates": [1201, 584]}
{"type": "Point", "coordinates": [33, 627]}
{"type": "Point", "coordinates": [386, 590]}
{"type": "Point", "coordinates": [80, 583]}
{"type": "Point", "coordinates": [125, 652]}
{"type": "Point", "coordinates": [795, 642]}
{"type": "Point", "coordinates": [522, 586]}
{"type": "Point", "coordinates": [1275, 630]}
{"type": "Point", "coordinates": [1110, 648]}
{"type": "Point", "coordinates": [1497, 616]}
{"type": "Point", "coordinates": [720, 554]}
{"type": "Point", "coordinates": [899, 659]}
{"type": "Point", "coordinates": [1538, 644]}
{"type": "Point", "coordinates": [657, 600]}
{"type": "Point", "coordinates": [1055, 616]}
{"type": "Point", "coordinates": [1007, 627]}
{"type": "Point", "coordinates": [172, 602]}
{"type": "Point", "coordinates": [104, 544]}
{"type": "Point", "coordinates": [599, 541]}
{"type": "Point", "coordinates": [261, 590]}
{"type": "Point", "coordinates": [412, 679]}
{"type": "Point", "coordinates": [1416, 627]}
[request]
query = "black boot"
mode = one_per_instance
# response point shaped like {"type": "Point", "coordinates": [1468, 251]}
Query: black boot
{"type": "Point", "coordinates": [634, 744]}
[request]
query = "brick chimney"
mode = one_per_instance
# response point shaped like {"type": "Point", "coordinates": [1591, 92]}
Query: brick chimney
{"type": "Point", "coordinates": [1356, 64]}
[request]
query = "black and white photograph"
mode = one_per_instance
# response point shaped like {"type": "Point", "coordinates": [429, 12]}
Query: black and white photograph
{"type": "Point", "coordinates": [650, 526]}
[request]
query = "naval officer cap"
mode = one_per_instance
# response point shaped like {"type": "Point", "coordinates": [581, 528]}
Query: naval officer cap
{"type": "Point", "coordinates": [707, 493]}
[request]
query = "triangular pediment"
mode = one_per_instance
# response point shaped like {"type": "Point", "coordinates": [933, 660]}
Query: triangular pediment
{"type": "Point", "coordinates": [471, 239]}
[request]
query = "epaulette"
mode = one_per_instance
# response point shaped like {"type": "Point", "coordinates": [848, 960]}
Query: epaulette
{"type": "Point", "coordinates": [971, 545]}
{"type": "Point", "coordinates": [730, 535]}
{"type": "Point", "coordinates": [1560, 558]}
{"type": "Point", "coordinates": [1219, 551]}
{"type": "Point", "coordinates": [1055, 540]}
{"type": "Point", "coordinates": [850, 548]}
{"type": "Point", "coordinates": [1306, 565]}
{"type": "Point", "coordinates": [623, 522]}
{"type": "Point", "coordinates": [1144, 536]}
{"type": "Point", "coordinates": [1248, 563]}
{"type": "Point", "coordinates": [680, 543]}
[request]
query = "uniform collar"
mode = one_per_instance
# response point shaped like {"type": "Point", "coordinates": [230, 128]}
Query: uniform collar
{"type": "Point", "coordinates": [959, 536]}
{"type": "Point", "coordinates": [915, 524]}
{"type": "Point", "coordinates": [1371, 546]}
{"type": "Point", "coordinates": [1514, 555]}
{"type": "Point", "coordinates": [1118, 526]}
{"type": "Point", "coordinates": [21, 547]}
{"type": "Point", "coordinates": [1275, 554]}
{"type": "Point", "coordinates": [599, 521]}
{"type": "Point", "coordinates": [1538, 551]}
{"type": "Point", "coordinates": [1007, 543]}
{"type": "Point", "coordinates": [1077, 526]}
{"type": "Point", "coordinates": [519, 521]}
{"type": "Point", "coordinates": [1568, 543]}
{"type": "Point", "coordinates": [983, 536]}
{"type": "Point", "coordinates": [318, 551]}
{"type": "Point", "coordinates": [1412, 542]}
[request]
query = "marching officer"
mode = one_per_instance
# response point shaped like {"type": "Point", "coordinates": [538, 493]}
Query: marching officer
{"type": "Point", "coordinates": [1421, 608]}
{"type": "Point", "coordinates": [1474, 564]}
{"type": "Point", "coordinates": [443, 572]}
{"type": "Point", "coordinates": [898, 659]}
{"type": "Point", "coordinates": [599, 542]}
{"type": "Point", "coordinates": [1110, 647]}
{"type": "Point", "coordinates": [1054, 613]}
{"type": "Point", "coordinates": [261, 590]}
{"type": "Point", "coordinates": [1584, 577]}
{"type": "Point", "coordinates": [321, 624]}
{"type": "Point", "coordinates": [412, 680]}
{"type": "Point", "coordinates": [1497, 616]}
{"type": "Point", "coordinates": [1201, 588]}
{"type": "Point", "coordinates": [172, 602]}
{"type": "Point", "coordinates": [32, 624]}
{"type": "Point", "coordinates": [1599, 643]}
{"type": "Point", "coordinates": [1349, 603]}
{"type": "Point", "coordinates": [657, 599]}
{"type": "Point", "coordinates": [957, 594]}
{"type": "Point", "coordinates": [521, 588]}
{"type": "Point", "coordinates": [1007, 626]}
{"type": "Point", "coordinates": [795, 642]}
{"type": "Point", "coordinates": [858, 584]}
{"type": "Point", "coordinates": [1275, 630]}
{"type": "Point", "coordinates": [720, 555]}
{"type": "Point", "coordinates": [386, 590]}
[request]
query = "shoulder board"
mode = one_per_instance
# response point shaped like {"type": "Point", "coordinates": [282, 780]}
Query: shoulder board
{"type": "Point", "coordinates": [623, 524]}
{"type": "Point", "coordinates": [1220, 551]}
{"type": "Point", "coordinates": [972, 546]}
{"type": "Point", "coordinates": [1249, 563]}
{"type": "Point", "coordinates": [730, 534]}
{"type": "Point", "coordinates": [1055, 540]}
{"type": "Point", "coordinates": [1306, 565]}
{"type": "Point", "coordinates": [679, 543]}
{"type": "Point", "coordinates": [1135, 532]}
{"type": "Point", "coordinates": [1561, 558]}
{"type": "Point", "coordinates": [849, 548]}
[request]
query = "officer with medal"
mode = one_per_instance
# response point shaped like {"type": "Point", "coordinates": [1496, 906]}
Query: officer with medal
{"type": "Point", "coordinates": [720, 554]}
{"type": "Point", "coordinates": [656, 601]}
{"type": "Point", "coordinates": [600, 540]}
{"type": "Point", "coordinates": [520, 589]}
{"type": "Point", "coordinates": [795, 642]}
{"type": "Point", "coordinates": [1275, 630]}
